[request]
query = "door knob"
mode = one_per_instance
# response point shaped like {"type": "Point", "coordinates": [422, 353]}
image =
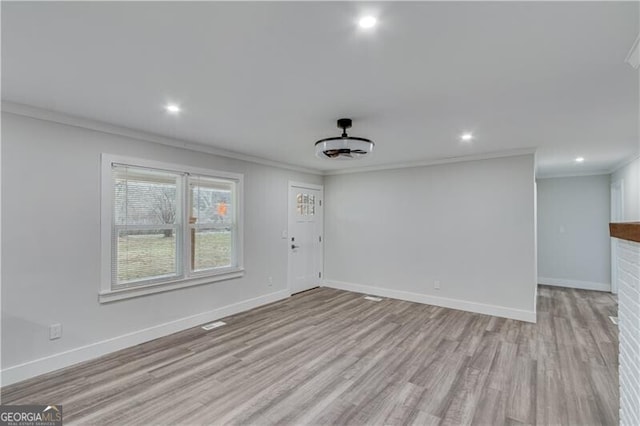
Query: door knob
{"type": "Point", "coordinates": [293, 246]}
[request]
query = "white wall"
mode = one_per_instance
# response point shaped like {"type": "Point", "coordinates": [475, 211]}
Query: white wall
{"type": "Point", "coordinates": [51, 247]}
{"type": "Point", "coordinates": [630, 176]}
{"type": "Point", "coordinates": [469, 225]}
{"type": "Point", "coordinates": [628, 263]}
{"type": "Point", "coordinates": [574, 248]}
{"type": "Point", "coordinates": [628, 272]}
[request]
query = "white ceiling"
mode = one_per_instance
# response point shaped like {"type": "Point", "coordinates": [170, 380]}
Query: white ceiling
{"type": "Point", "coordinates": [269, 79]}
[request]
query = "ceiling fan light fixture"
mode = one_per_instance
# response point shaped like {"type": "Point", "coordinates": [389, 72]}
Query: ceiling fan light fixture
{"type": "Point", "coordinates": [344, 147]}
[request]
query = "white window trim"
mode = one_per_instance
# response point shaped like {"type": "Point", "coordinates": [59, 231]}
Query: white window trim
{"type": "Point", "coordinates": [109, 294]}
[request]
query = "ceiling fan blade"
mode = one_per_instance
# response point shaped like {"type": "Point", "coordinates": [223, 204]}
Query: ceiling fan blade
{"type": "Point", "coordinates": [343, 152]}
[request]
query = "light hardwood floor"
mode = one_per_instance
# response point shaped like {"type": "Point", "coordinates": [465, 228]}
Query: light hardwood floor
{"type": "Point", "coordinates": [330, 357]}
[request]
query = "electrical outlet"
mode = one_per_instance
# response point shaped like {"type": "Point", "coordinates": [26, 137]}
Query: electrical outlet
{"type": "Point", "coordinates": [55, 331]}
{"type": "Point", "coordinates": [270, 281]}
{"type": "Point", "coordinates": [436, 284]}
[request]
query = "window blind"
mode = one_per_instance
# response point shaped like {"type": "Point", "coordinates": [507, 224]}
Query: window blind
{"type": "Point", "coordinates": [146, 231]}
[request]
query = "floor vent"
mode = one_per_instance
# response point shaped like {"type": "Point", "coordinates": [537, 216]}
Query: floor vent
{"type": "Point", "coordinates": [373, 299]}
{"type": "Point", "coordinates": [614, 320]}
{"type": "Point", "coordinates": [213, 325]}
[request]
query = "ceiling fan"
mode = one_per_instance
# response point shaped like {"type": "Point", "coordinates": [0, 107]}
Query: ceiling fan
{"type": "Point", "coordinates": [344, 147]}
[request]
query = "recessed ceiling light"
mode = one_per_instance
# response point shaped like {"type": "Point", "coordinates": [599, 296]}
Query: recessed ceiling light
{"type": "Point", "coordinates": [172, 108]}
{"type": "Point", "coordinates": [367, 22]}
{"type": "Point", "coordinates": [466, 137]}
{"type": "Point", "coordinates": [580, 160]}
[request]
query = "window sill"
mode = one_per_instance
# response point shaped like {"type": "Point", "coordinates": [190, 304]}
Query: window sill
{"type": "Point", "coordinates": [143, 290]}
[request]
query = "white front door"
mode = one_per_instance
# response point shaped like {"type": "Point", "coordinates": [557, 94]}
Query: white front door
{"type": "Point", "coordinates": [305, 236]}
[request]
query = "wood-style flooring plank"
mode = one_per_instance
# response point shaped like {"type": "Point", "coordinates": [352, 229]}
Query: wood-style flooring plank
{"type": "Point", "coordinates": [330, 357]}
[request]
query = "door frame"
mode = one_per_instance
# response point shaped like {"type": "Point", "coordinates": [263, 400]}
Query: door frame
{"type": "Point", "coordinates": [290, 208]}
{"type": "Point", "coordinates": [617, 215]}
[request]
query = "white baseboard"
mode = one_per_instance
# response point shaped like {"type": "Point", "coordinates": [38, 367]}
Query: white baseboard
{"type": "Point", "coordinates": [60, 360]}
{"type": "Point", "coordinates": [583, 285]}
{"type": "Point", "coordinates": [463, 305]}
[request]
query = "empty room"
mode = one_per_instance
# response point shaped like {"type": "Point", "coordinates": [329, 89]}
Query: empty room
{"type": "Point", "coordinates": [320, 213]}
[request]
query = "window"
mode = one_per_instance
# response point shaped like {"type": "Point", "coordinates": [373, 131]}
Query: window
{"type": "Point", "coordinates": [166, 226]}
{"type": "Point", "coordinates": [305, 204]}
{"type": "Point", "coordinates": [211, 223]}
{"type": "Point", "coordinates": [146, 227]}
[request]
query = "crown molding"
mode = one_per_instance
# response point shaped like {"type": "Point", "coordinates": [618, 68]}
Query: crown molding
{"type": "Point", "coordinates": [104, 127]}
{"type": "Point", "coordinates": [100, 126]}
{"type": "Point", "coordinates": [435, 162]}
{"type": "Point", "coordinates": [618, 166]}
{"type": "Point", "coordinates": [574, 174]}
{"type": "Point", "coordinates": [624, 163]}
{"type": "Point", "coordinates": [633, 57]}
